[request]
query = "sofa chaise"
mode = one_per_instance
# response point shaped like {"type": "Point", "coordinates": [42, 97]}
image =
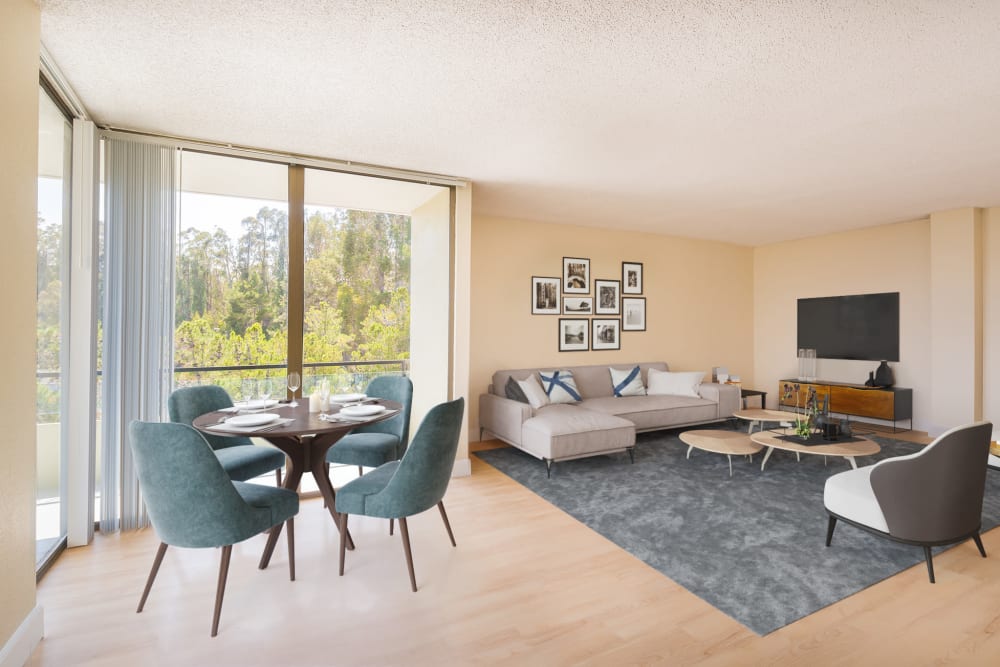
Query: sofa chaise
{"type": "Point", "coordinates": [601, 422]}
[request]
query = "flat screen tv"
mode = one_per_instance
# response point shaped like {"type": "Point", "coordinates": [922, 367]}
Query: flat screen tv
{"type": "Point", "coordinates": [858, 326]}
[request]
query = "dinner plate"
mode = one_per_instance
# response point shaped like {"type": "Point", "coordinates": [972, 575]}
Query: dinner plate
{"type": "Point", "coordinates": [347, 398]}
{"type": "Point", "coordinates": [257, 404]}
{"type": "Point", "coordinates": [362, 410]}
{"type": "Point", "coordinates": [253, 420]}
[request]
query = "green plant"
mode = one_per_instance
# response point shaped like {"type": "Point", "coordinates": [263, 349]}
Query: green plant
{"type": "Point", "coordinates": [804, 418]}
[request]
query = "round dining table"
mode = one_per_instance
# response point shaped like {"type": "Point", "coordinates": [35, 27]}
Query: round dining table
{"type": "Point", "coordinates": [305, 441]}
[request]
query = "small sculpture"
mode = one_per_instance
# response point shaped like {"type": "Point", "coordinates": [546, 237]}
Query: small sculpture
{"type": "Point", "coordinates": [870, 382]}
{"type": "Point", "coordinates": [883, 375]}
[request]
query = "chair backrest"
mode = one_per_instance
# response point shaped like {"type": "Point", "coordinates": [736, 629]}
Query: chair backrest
{"type": "Point", "coordinates": [937, 493]}
{"type": "Point", "coordinates": [187, 403]}
{"type": "Point", "coordinates": [189, 497]}
{"type": "Point", "coordinates": [422, 477]}
{"type": "Point", "coordinates": [393, 388]}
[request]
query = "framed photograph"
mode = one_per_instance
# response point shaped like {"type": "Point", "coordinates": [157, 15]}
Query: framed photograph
{"type": "Point", "coordinates": [573, 335]}
{"type": "Point", "coordinates": [576, 275]}
{"type": "Point", "coordinates": [607, 334]}
{"type": "Point", "coordinates": [631, 278]}
{"type": "Point", "coordinates": [633, 313]}
{"type": "Point", "coordinates": [544, 296]}
{"type": "Point", "coordinates": [608, 296]}
{"type": "Point", "coordinates": [578, 305]}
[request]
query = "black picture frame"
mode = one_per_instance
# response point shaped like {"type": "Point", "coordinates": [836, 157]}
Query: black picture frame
{"type": "Point", "coordinates": [606, 334]}
{"type": "Point", "coordinates": [576, 275]}
{"type": "Point", "coordinates": [574, 334]}
{"type": "Point", "coordinates": [633, 313]}
{"type": "Point", "coordinates": [578, 305]}
{"type": "Point", "coordinates": [607, 297]}
{"type": "Point", "coordinates": [631, 277]}
{"type": "Point", "coordinates": [545, 295]}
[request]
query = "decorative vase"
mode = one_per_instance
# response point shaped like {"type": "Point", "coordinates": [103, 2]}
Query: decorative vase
{"type": "Point", "coordinates": [883, 375]}
{"type": "Point", "coordinates": [870, 382]}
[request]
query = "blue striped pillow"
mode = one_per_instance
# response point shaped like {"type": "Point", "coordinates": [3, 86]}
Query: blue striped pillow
{"type": "Point", "coordinates": [560, 386]}
{"type": "Point", "coordinates": [627, 382]}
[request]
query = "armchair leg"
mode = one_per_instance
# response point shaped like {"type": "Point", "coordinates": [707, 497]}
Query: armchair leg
{"type": "Point", "coordinates": [152, 575]}
{"type": "Point", "coordinates": [391, 523]}
{"type": "Point", "coordinates": [979, 544]}
{"type": "Point", "coordinates": [406, 549]}
{"type": "Point", "coordinates": [290, 525]}
{"type": "Point", "coordinates": [447, 525]}
{"type": "Point", "coordinates": [328, 475]}
{"type": "Point", "coordinates": [829, 529]}
{"type": "Point", "coordinates": [277, 476]}
{"type": "Point", "coordinates": [343, 540]}
{"type": "Point", "coordinates": [220, 590]}
{"type": "Point", "coordinates": [361, 471]}
{"type": "Point", "coordinates": [930, 563]}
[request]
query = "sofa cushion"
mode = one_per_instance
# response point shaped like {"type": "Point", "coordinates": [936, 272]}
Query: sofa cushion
{"type": "Point", "coordinates": [627, 382]}
{"type": "Point", "coordinates": [591, 381]}
{"type": "Point", "coordinates": [513, 391]}
{"type": "Point", "coordinates": [568, 431]}
{"type": "Point", "coordinates": [533, 391]}
{"type": "Point", "coordinates": [676, 384]}
{"type": "Point", "coordinates": [560, 386]}
{"type": "Point", "coordinates": [653, 412]}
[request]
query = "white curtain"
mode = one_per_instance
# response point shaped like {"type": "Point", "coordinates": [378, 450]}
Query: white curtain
{"type": "Point", "coordinates": [141, 189]}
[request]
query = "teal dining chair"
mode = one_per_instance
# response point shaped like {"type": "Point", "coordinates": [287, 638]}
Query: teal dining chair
{"type": "Point", "coordinates": [415, 483]}
{"type": "Point", "coordinates": [192, 502]}
{"type": "Point", "coordinates": [372, 445]}
{"type": "Point", "coordinates": [239, 457]}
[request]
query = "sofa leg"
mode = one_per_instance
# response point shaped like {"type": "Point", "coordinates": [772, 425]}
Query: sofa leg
{"type": "Point", "coordinates": [631, 454]}
{"type": "Point", "coordinates": [930, 563]}
{"type": "Point", "coordinates": [979, 544]}
{"type": "Point", "coordinates": [829, 529]}
{"type": "Point", "coordinates": [548, 468]}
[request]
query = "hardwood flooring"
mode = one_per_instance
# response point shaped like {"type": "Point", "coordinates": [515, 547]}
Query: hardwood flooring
{"type": "Point", "coordinates": [527, 585]}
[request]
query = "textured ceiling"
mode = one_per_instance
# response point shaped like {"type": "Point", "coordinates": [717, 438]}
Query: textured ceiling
{"type": "Point", "coordinates": [746, 121]}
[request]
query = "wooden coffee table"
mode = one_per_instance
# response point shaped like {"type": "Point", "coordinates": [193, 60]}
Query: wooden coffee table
{"type": "Point", "coordinates": [760, 416]}
{"type": "Point", "coordinates": [862, 447]}
{"type": "Point", "coordinates": [720, 442]}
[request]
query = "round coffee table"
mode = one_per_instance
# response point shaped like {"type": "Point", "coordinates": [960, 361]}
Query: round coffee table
{"type": "Point", "coordinates": [720, 442]}
{"type": "Point", "coordinates": [759, 416]}
{"type": "Point", "coordinates": [861, 446]}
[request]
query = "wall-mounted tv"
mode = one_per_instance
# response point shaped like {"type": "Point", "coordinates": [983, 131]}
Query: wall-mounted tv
{"type": "Point", "coordinates": [858, 326]}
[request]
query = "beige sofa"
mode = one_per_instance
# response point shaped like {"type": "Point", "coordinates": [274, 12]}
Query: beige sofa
{"type": "Point", "coordinates": [601, 423]}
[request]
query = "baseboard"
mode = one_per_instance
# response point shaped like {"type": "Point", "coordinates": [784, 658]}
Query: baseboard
{"type": "Point", "coordinates": [18, 648]}
{"type": "Point", "coordinates": [462, 468]}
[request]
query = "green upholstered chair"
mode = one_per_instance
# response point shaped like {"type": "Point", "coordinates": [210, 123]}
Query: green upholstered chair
{"type": "Point", "coordinates": [415, 483]}
{"type": "Point", "coordinates": [193, 503]}
{"type": "Point", "coordinates": [371, 446]}
{"type": "Point", "coordinates": [239, 457]}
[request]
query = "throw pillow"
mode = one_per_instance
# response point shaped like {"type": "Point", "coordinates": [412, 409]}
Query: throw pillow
{"type": "Point", "coordinates": [560, 387]}
{"type": "Point", "coordinates": [513, 391]}
{"type": "Point", "coordinates": [533, 392]}
{"type": "Point", "coordinates": [627, 382]}
{"type": "Point", "coordinates": [675, 384]}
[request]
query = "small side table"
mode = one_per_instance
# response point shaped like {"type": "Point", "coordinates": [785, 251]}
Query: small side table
{"type": "Point", "coordinates": [745, 393]}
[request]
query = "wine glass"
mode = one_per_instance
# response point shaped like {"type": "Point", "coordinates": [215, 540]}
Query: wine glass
{"type": "Point", "coordinates": [264, 389]}
{"type": "Point", "coordinates": [294, 382]}
{"type": "Point", "coordinates": [248, 387]}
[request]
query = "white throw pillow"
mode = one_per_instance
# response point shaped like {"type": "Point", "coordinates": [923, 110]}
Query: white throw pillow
{"type": "Point", "coordinates": [627, 382]}
{"type": "Point", "coordinates": [675, 384]}
{"type": "Point", "coordinates": [560, 386]}
{"type": "Point", "coordinates": [533, 391]}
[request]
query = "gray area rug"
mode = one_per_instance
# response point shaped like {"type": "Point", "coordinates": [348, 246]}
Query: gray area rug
{"type": "Point", "coordinates": [751, 545]}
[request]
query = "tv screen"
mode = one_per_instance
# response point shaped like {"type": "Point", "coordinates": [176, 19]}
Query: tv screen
{"type": "Point", "coordinates": [859, 326]}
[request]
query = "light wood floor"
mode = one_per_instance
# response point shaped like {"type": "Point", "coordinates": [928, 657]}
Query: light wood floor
{"type": "Point", "coordinates": [527, 585]}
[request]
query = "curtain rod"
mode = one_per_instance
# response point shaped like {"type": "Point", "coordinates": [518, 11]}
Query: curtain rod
{"type": "Point", "coordinates": [265, 155]}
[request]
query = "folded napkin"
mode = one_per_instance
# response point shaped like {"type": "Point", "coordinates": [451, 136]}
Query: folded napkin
{"type": "Point", "coordinates": [337, 417]}
{"type": "Point", "coordinates": [250, 429]}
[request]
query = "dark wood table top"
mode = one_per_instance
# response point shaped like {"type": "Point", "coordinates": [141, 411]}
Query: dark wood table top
{"type": "Point", "coordinates": [306, 423]}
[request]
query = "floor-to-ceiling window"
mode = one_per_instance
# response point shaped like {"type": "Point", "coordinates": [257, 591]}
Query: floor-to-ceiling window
{"type": "Point", "coordinates": [55, 137]}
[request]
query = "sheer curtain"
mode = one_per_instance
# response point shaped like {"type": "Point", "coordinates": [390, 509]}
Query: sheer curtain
{"type": "Point", "coordinates": [140, 200]}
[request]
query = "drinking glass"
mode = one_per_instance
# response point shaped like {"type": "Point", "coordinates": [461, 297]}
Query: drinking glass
{"type": "Point", "coordinates": [248, 387]}
{"type": "Point", "coordinates": [264, 389]}
{"type": "Point", "coordinates": [294, 382]}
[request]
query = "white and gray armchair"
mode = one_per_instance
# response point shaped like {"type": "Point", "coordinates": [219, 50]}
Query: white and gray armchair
{"type": "Point", "coordinates": [930, 498]}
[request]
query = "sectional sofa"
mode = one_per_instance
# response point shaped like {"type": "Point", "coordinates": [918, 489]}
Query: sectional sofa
{"type": "Point", "coordinates": [599, 423]}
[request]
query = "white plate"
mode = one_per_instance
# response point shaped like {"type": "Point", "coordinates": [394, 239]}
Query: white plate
{"type": "Point", "coordinates": [257, 404]}
{"type": "Point", "coordinates": [347, 398]}
{"type": "Point", "coordinates": [253, 420]}
{"type": "Point", "coordinates": [362, 410]}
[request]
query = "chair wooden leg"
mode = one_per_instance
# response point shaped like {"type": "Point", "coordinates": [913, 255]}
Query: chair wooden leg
{"type": "Point", "coordinates": [406, 549]}
{"type": "Point", "coordinates": [220, 590]}
{"type": "Point", "coordinates": [327, 474]}
{"type": "Point", "coordinates": [152, 575]}
{"type": "Point", "coordinates": [290, 535]}
{"type": "Point", "coordinates": [444, 517]}
{"type": "Point", "coordinates": [392, 522]}
{"type": "Point", "coordinates": [361, 471]}
{"type": "Point", "coordinates": [930, 563]}
{"type": "Point", "coordinates": [979, 545]}
{"type": "Point", "coordinates": [829, 529]}
{"type": "Point", "coordinates": [277, 476]}
{"type": "Point", "coordinates": [343, 540]}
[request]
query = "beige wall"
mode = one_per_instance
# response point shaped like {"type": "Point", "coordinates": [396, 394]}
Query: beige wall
{"type": "Point", "coordinates": [19, 43]}
{"type": "Point", "coordinates": [699, 299]}
{"type": "Point", "coordinates": [890, 258]}
{"type": "Point", "coordinates": [991, 318]}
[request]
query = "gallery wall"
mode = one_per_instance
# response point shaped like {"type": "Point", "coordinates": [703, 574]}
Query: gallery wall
{"type": "Point", "coordinates": [699, 300]}
{"type": "Point", "coordinates": [19, 27]}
